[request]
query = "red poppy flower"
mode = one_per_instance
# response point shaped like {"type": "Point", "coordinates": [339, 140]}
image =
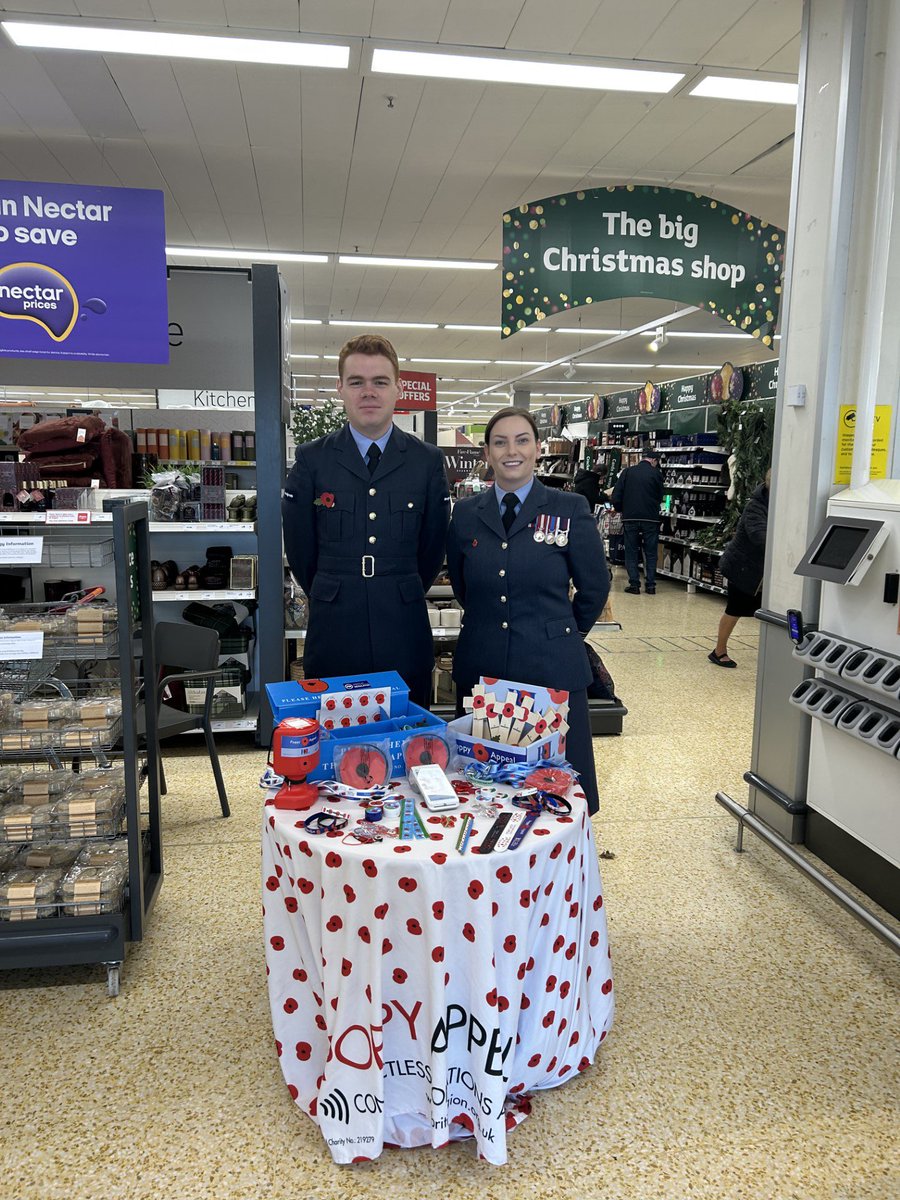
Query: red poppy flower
{"type": "Point", "coordinates": [480, 752]}
{"type": "Point", "coordinates": [326, 500]}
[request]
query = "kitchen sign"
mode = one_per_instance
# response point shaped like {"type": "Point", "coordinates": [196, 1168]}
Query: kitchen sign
{"type": "Point", "coordinates": [576, 248]}
{"type": "Point", "coordinates": [207, 399]}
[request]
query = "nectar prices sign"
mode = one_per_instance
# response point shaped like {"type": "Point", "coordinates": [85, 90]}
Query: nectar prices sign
{"type": "Point", "coordinates": [82, 273]}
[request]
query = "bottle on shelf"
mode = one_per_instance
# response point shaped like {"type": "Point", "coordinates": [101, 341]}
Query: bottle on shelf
{"type": "Point", "coordinates": [237, 446]}
{"type": "Point", "coordinates": [193, 445]}
{"type": "Point", "coordinates": [162, 445]}
{"type": "Point", "coordinates": [205, 454]}
{"type": "Point", "coordinates": [250, 445]}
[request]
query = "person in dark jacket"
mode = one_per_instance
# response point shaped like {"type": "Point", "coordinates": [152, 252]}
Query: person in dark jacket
{"type": "Point", "coordinates": [637, 496]}
{"type": "Point", "coordinates": [742, 565]}
{"type": "Point", "coordinates": [511, 553]}
{"type": "Point", "coordinates": [365, 514]}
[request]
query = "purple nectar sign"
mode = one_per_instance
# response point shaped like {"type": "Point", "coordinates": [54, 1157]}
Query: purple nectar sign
{"type": "Point", "coordinates": [82, 273]}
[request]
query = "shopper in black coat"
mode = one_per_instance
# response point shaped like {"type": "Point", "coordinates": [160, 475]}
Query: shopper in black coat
{"type": "Point", "coordinates": [742, 565]}
{"type": "Point", "coordinates": [637, 496]}
{"type": "Point", "coordinates": [519, 623]}
{"type": "Point", "coordinates": [366, 542]}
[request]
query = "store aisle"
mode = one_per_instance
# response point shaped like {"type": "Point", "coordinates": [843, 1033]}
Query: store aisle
{"type": "Point", "coordinates": [754, 1050]}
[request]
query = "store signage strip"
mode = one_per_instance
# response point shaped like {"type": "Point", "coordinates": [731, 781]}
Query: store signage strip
{"type": "Point", "coordinates": [207, 399]}
{"type": "Point", "coordinates": [21, 551]}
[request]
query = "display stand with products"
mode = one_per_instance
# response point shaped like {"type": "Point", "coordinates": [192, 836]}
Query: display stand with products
{"type": "Point", "coordinates": [81, 862]}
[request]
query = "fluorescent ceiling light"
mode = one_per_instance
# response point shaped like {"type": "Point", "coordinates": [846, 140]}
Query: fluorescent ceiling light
{"type": "Point", "coordinates": [304, 321]}
{"type": "Point", "coordinates": [485, 362]}
{"type": "Point", "coordinates": [295, 375]}
{"type": "Point", "coordinates": [520, 362]}
{"type": "Point", "coordinates": [476, 328]}
{"type": "Point", "coordinates": [249, 255]}
{"type": "Point", "coordinates": [103, 40]}
{"type": "Point", "coordinates": [305, 356]}
{"type": "Point", "coordinates": [762, 91]}
{"type": "Point", "coordinates": [390, 324]}
{"type": "Point", "coordinates": [657, 366]}
{"type": "Point", "coordinates": [517, 70]}
{"type": "Point", "coordinates": [374, 260]}
{"type": "Point", "coordinates": [602, 332]}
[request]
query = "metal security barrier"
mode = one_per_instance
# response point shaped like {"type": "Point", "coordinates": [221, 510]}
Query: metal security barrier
{"type": "Point", "coordinates": [747, 819]}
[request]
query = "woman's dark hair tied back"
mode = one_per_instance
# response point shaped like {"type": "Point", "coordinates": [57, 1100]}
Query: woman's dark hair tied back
{"type": "Point", "coordinates": [502, 413]}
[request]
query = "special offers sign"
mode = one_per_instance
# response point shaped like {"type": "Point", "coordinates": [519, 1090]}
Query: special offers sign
{"type": "Point", "coordinates": [82, 273]}
{"type": "Point", "coordinates": [605, 243]}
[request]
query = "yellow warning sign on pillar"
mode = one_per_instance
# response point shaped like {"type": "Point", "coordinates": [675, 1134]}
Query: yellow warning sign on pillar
{"type": "Point", "coordinates": [881, 436]}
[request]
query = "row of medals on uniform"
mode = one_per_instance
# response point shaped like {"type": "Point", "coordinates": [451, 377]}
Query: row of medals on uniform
{"type": "Point", "coordinates": [552, 530]}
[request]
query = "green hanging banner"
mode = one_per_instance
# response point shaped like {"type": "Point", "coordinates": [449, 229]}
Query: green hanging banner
{"type": "Point", "coordinates": [605, 243]}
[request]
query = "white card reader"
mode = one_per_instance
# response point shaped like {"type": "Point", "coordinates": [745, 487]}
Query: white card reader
{"type": "Point", "coordinates": [434, 787]}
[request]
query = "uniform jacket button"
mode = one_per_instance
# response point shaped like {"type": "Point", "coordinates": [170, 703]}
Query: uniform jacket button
{"type": "Point", "coordinates": [505, 625]}
{"type": "Point", "coordinates": [371, 491]}
{"type": "Point", "coordinates": [372, 539]}
{"type": "Point", "coordinates": [568, 630]}
{"type": "Point", "coordinates": [502, 599]}
{"type": "Point", "coordinates": [372, 516]}
{"type": "Point", "coordinates": [409, 504]}
{"type": "Point", "coordinates": [502, 572]}
{"type": "Point", "coordinates": [503, 545]}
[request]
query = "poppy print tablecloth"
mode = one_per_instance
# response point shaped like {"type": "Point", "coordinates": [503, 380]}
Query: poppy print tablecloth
{"type": "Point", "coordinates": [419, 995]}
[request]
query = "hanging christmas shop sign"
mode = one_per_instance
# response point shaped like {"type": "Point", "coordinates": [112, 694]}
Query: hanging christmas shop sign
{"type": "Point", "coordinates": [605, 243]}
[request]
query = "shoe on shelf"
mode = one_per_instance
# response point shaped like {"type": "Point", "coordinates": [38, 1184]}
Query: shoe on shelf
{"type": "Point", "coordinates": [192, 578]}
{"type": "Point", "coordinates": [633, 591]}
{"type": "Point", "coordinates": [159, 580]}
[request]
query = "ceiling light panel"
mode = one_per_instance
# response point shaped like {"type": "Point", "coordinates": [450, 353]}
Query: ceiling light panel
{"type": "Point", "coordinates": [244, 255]}
{"type": "Point", "coordinates": [516, 70]}
{"type": "Point", "coordinates": [759, 91]}
{"type": "Point", "coordinates": [390, 324]}
{"type": "Point", "coordinates": [103, 40]}
{"type": "Point", "coordinates": [449, 264]}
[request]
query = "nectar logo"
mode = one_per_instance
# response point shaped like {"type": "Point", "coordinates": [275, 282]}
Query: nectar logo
{"type": "Point", "coordinates": [33, 292]}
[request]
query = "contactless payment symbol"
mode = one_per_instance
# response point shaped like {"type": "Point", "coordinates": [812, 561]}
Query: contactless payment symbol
{"type": "Point", "coordinates": [32, 292]}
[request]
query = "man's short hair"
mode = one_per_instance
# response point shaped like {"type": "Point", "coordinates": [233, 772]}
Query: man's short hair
{"type": "Point", "coordinates": [651, 452]}
{"type": "Point", "coordinates": [369, 343]}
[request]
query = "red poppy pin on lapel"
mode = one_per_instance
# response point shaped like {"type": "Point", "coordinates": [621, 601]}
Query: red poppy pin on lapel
{"type": "Point", "coordinates": [474, 542]}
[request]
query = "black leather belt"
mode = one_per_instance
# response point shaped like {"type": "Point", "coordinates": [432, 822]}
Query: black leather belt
{"type": "Point", "coordinates": [368, 567]}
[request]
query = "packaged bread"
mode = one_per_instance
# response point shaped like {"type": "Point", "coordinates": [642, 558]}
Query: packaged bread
{"type": "Point", "coordinates": [8, 855]}
{"type": "Point", "coordinates": [38, 714]}
{"type": "Point", "coordinates": [104, 854]}
{"type": "Point", "coordinates": [101, 777]}
{"type": "Point", "coordinates": [40, 856]}
{"type": "Point", "coordinates": [41, 787]}
{"type": "Point", "coordinates": [87, 891]}
{"type": "Point", "coordinates": [88, 814]}
{"type": "Point", "coordinates": [21, 823]}
{"type": "Point", "coordinates": [26, 894]}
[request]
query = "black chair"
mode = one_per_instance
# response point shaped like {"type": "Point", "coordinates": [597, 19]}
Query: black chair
{"type": "Point", "coordinates": [194, 651]}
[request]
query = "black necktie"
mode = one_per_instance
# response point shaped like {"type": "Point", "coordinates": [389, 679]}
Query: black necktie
{"type": "Point", "coordinates": [510, 500]}
{"type": "Point", "coordinates": [373, 457]}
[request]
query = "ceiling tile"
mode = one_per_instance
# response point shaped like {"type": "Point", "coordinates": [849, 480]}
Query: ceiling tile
{"type": "Point", "coordinates": [264, 14]}
{"type": "Point", "coordinates": [690, 27]}
{"type": "Point", "coordinates": [749, 42]}
{"type": "Point", "coordinates": [767, 130]}
{"type": "Point", "coordinates": [787, 58]}
{"type": "Point", "coordinates": [150, 90]}
{"type": "Point", "coordinates": [29, 89]}
{"type": "Point", "coordinates": [535, 31]}
{"type": "Point", "coordinates": [120, 10]}
{"type": "Point", "coordinates": [271, 102]}
{"type": "Point", "coordinates": [190, 12]}
{"type": "Point", "coordinates": [32, 159]}
{"type": "Point", "coordinates": [348, 20]}
{"type": "Point", "coordinates": [212, 97]}
{"type": "Point", "coordinates": [182, 166]}
{"type": "Point", "coordinates": [84, 82]}
{"type": "Point", "coordinates": [399, 20]}
{"type": "Point", "coordinates": [474, 23]}
{"type": "Point", "coordinates": [83, 161]}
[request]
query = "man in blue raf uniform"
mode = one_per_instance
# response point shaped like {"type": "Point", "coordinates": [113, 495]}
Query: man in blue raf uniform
{"type": "Point", "coordinates": [512, 552]}
{"type": "Point", "coordinates": [365, 513]}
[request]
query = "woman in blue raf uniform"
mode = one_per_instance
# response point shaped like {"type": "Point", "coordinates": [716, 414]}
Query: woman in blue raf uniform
{"type": "Point", "coordinates": [365, 514]}
{"type": "Point", "coordinates": [512, 552]}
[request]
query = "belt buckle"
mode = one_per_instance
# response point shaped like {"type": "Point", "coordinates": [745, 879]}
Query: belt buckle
{"type": "Point", "coordinates": [368, 572]}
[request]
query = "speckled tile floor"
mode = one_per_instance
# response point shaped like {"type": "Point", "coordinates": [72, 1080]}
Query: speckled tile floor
{"type": "Point", "coordinates": [754, 1055]}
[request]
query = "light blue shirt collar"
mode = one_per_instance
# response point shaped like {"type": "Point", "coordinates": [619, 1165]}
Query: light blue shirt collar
{"type": "Point", "coordinates": [363, 443]}
{"type": "Point", "coordinates": [521, 493]}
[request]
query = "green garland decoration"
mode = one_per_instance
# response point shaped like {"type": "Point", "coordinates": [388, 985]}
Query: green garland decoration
{"type": "Point", "coordinates": [311, 421]}
{"type": "Point", "coordinates": [746, 430]}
